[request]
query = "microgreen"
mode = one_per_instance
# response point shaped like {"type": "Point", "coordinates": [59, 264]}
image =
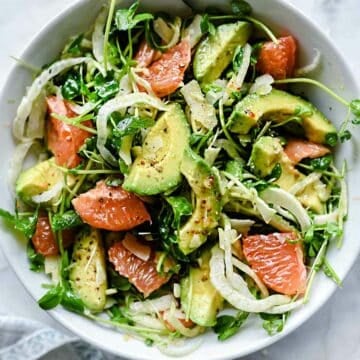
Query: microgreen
{"type": "Point", "coordinates": [352, 106]}
{"type": "Point", "coordinates": [25, 224]}
{"type": "Point", "coordinates": [67, 220]}
{"type": "Point", "coordinates": [227, 326]}
{"type": "Point", "coordinates": [130, 125]}
{"type": "Point", "coordinates": [274, 323]}
{"type": "Point", "coordinates": [126, 19]}
{"type": "Point", "coordinates": [238, 58]}
{"type": "Point", "coordinates": [207, 26]}
{"type": "Point", "coordinates": [117, 281]}
{"type": "Point", "coordinates": [36, 260]}
{"type": "Point", "coordinates": [71, 88]}
{"type": "Point", "coordinates": [61, 294]}
{"type": "Point", "coordinates": [240, 7]}
{"type": "Point", "coordinates": [181, 207]}
{"type": "Point", "coordinates": [322, 163]}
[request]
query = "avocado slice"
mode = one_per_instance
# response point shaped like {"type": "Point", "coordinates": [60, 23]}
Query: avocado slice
{"type": "Point", "coordinates": [38, 179]}
{"type": "Point", "coordinates": [199, 299]}
{"type": "Point", "coordinates": [157, 168]}
{"type": "Point", "coordinates": [88, 270]}
{"type": "Point", "coordinates": [277, 106]}
{"type": "Point", "coordinates": [266, 153]}
{"type": "Point", "coordinates": [215, 52]}
{"type": "Point", "coordinates": [206, 188]}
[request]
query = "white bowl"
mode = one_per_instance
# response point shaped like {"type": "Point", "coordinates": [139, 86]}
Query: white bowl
{"type": "Point", "coordinates": [334, 72]}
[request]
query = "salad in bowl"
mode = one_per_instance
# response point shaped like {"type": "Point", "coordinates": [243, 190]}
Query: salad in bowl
{"type": "Point", "coordinates": [180, 185]}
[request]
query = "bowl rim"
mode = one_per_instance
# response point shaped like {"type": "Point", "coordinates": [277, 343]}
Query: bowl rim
{"type": "Point", "coordinates": [56, 314]}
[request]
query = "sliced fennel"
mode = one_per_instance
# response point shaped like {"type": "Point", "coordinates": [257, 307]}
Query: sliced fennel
{"type": "Point", "coordinates": [193, 31]}
{"type": "Point", "coordinates": [35, 128]}
{"type": "Point", "coordinates": [168, 32]}
{"type": "Point", "coordinates": [203, 116]}
{"type": "Point", "coordinates": [280, 197]}
{"type": "Point", "coordinates": [25, 107]}
{"type": "Point", "coordinates": [237, 80]}
{"type": "Point", "coordinates": [153, 306]}
{"type": "Point", "coordinates": [262, 85]}
{"type": "Point", "coordinates": [51, 194]}
{"type": "Point", "coordinates": [301, 185]}
{"type": "Point", "coordinates": [226, 238]}
{"type": "Point", "coordinates": [234, 297]}
{"type": "Point", "coordinates": [98, 36]}
{"type": "Point", "coordinates": [305, 70]}
{"type": "Point", "coordinates": [248, 271]}
{"type": "Point", "coordinates": [16, 163]}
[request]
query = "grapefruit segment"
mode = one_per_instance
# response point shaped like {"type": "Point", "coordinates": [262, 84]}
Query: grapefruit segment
{"type": "Point", "coordinates": [277, 262]}
{"type": "Point", "coordinates": [44, 241]}
{"type": "Point", "coordinates": [64, 140]}
{"type": "Point", "coordinates": [142, 274]}
{"type": "Point", "coordinates": [145, 54]}
{"type": "Point", "coordinates": [278, 60]}
{"type": "Point", "coordinates": [110, 208]}
{"type": "Point", "coordinates": [297, 150]}
{"type": "Point", "coordinates": [166, 74]}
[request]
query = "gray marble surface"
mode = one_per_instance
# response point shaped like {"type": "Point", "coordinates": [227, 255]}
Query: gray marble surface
{"type": "Point", "coordinates": [331, 334]}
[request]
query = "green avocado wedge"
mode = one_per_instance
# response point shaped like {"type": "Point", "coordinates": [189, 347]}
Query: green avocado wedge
{"type": "Point", "coordinates": [88, 270]}
{"type": "Point", "coordinates": [38, 179]}
{"type": "Point", "coordinates": [277, 106]}
{"type": "Point", "coordinates": [266, 153]}
{"type": "Point", "coordinates": [215, 53]}
{"type": "Point", "coordinates": [199, 299]}
{"type": "Point", "coordinates": [157, 168]}
{"type": "Point", "coordinates": [206, 188]}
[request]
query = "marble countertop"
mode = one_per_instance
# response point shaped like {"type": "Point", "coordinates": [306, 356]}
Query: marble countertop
{"type": "Point", "coordinates": [331, 334]}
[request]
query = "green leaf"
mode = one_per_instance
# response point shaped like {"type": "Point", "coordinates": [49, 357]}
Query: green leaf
{"type": "Point", "coordinates": [356, 121]}
{"type": "Point", "coordinates": [74, 47]}
{"type": "Point", "coordinates": [65, 262]}
{"type": "Point", "coordinates": [274, 323]}
{"type": "Point", "coordinates": [207, 26]}
{"type": "Point", "coordinates": [36, 260]}
{"type": "Point", "coordinates": [72, 302]}
{"type": "Point", "coordinates": [181, 207]}
{"type": "Point", "coordinates": [332, 230]}
{"type": "Point", "coordinates": [25, 225]}
{"type": "Point", "coordinates": [71, 88]}
{"type": "Point", "coordinates": [331, 139]}
{"type": "Point", "coordinates": [149, 342]}
{"type": "Point", "coordinates": [241, 8]}
{"type": "Point", "coordinates": [67, 220]}
{"type": "Point", "coordinates": [322, 163]}
{"type": "Point", "coordinates": [227, 326]}
{"type": "Point", "coordinates": [132, 124]}
{"type": "Point", "coordinates": [355, 107]}
{"type": "Point", "coordinates": [124, 168]}
{"type": "Point", "coordinates": [345, 135]}
{"type": "Point", "coordinates": [52, 298]}
{"type": "Point", "coordinates": [168, 236]}
{"type": "Point", "coordinates": [117, 281]}
{"type": "Point", "coordinates": [275, 173]}
{"type": "Point", "coordinates": [114, 181]}
{"type": "Point", "coordinates": [235, 168]}
{"type": "Point", "coordinates": [106, 87]}
{"type": "Point", "coordinates": [118, 316]}
{"type": "Point", "coordinates": [107, 90]}
{"type": "Point", "coordinates": [330, 272]}
{"type": "Point", "coordinates": [238, 58]}
{"type": "Point", "coordinates": [255, 52]}
{"type": "Point", "coordinates": [125, 19]}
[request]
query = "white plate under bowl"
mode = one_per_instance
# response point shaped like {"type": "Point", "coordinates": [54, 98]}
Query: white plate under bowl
{"type": "Point", "coordinates": [334, 72]}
